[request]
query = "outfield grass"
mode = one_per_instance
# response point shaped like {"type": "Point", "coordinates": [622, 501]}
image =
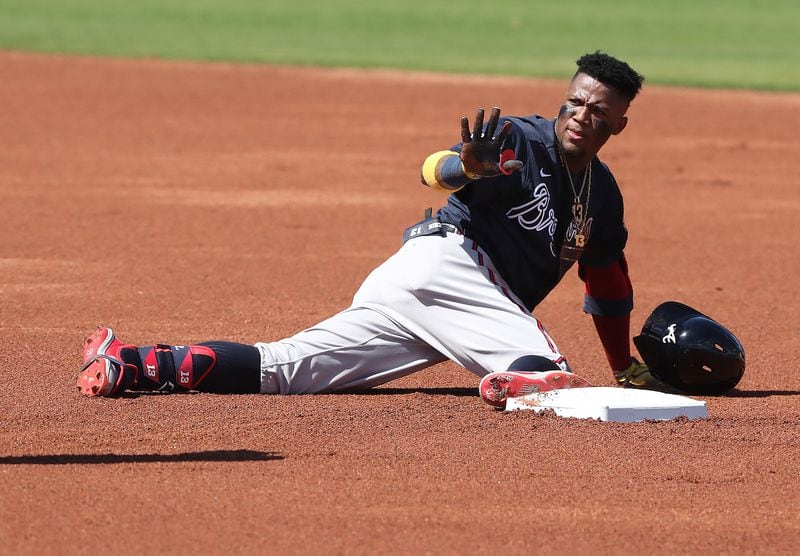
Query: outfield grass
{"type": "Point", "coordinates": [719, 43]}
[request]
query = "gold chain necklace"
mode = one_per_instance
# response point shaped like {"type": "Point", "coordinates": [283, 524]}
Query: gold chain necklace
{"type": "Point", "coordinates": [579, 211]}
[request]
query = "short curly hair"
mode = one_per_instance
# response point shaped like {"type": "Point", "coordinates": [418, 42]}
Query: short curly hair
{"type": "Point", "coordinates": [612, 72]}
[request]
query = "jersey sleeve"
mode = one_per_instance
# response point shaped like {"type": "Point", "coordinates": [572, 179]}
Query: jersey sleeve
{"type": "Point", "coordinates": [608, 234]}
{"type": "Point", "coordinates": [602, 265]}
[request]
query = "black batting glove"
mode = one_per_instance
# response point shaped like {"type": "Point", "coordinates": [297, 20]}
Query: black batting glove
{"type": "Point", "coordinates": [480, 150]}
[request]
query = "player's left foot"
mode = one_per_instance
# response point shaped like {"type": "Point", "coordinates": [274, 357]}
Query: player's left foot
{"type": "Point", "coordinates": [496, 388]}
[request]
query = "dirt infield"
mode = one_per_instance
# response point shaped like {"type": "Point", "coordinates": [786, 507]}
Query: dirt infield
{"type": "Point", "coordinates": [183, 202]}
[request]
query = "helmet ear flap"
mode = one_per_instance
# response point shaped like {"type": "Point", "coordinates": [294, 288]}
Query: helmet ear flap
{"type": "Point", "coordinates": [690, 351]}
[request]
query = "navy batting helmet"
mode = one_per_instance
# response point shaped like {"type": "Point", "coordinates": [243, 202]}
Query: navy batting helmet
{"type": "Point", "coordinates": [690, 351]}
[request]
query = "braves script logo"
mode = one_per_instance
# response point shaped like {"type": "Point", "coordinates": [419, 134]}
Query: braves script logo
{"type": "Point", "coordinates": [670, 337]}
{"type": "Point", "coordinates": [536, 214]}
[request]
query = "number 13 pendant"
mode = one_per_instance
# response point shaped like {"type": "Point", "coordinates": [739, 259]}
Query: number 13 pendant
{"type": "Point", "coordinates": [580, 240]}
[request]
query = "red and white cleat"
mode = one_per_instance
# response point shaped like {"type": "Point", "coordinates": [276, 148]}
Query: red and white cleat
{"type": "Point", "coordinates": [103, 372]}
{"type": "Point", "coordinates": [496, 388]}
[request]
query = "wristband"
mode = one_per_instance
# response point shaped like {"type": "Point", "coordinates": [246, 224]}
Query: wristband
{"type": "Point", "coordinates": [444, 171]}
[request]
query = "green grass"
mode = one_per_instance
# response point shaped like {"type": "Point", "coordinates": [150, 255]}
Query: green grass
{"type": "Point", "coordinates": [712, 43]}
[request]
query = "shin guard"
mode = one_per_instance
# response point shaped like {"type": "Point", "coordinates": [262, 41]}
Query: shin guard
{"type": "Point", "coordinates": [174, 368]}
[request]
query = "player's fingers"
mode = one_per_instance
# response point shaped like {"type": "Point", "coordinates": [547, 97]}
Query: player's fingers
{"type": "Point", "coordinates": [465, 130]}
{"type": "Point", "coordinates": [492, 124]}
{"type": "Point", "coordinates": [503, 133]}
{"type": "Point", "coordinates": [477, 125]}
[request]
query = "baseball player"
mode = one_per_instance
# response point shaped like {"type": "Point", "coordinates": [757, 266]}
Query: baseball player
{"type": "Point", "coordinates": [527, 199]}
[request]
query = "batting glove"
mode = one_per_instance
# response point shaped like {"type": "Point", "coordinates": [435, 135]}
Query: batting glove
{"type": "Point", "coordinates": [638, 375]}
{"type": "Point", "coordinates": [480, 150]}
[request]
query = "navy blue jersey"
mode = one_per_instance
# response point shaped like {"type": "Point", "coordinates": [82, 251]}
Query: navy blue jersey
{"type": "Point", "coordinates": [522, 220]}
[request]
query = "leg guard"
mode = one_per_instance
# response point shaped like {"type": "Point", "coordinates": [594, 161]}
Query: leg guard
{"type": "Point", "coordinates": [174, 368]}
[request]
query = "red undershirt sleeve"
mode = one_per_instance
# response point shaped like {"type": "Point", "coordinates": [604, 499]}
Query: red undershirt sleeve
{"type": "Point", "coordinates": [609, 299]}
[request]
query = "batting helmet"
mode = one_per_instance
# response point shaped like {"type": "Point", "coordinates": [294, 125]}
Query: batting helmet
{"type": "Point", "coordinates": [690, 351]}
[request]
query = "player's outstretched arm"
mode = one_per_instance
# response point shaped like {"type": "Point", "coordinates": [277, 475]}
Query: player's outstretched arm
{"type": "Point", "coordinates": [480, 156]}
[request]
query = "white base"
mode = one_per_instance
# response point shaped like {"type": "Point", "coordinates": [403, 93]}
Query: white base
{"type": "Point", "coordinates": [611, 404]}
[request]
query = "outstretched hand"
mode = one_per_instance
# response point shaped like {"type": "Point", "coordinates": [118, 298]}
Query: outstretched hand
{"type": "Point", "coordinates": [480, 150]}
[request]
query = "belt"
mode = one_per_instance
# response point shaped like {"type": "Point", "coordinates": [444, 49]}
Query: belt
{"type": "Point", "coordinates": [429, 227]}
